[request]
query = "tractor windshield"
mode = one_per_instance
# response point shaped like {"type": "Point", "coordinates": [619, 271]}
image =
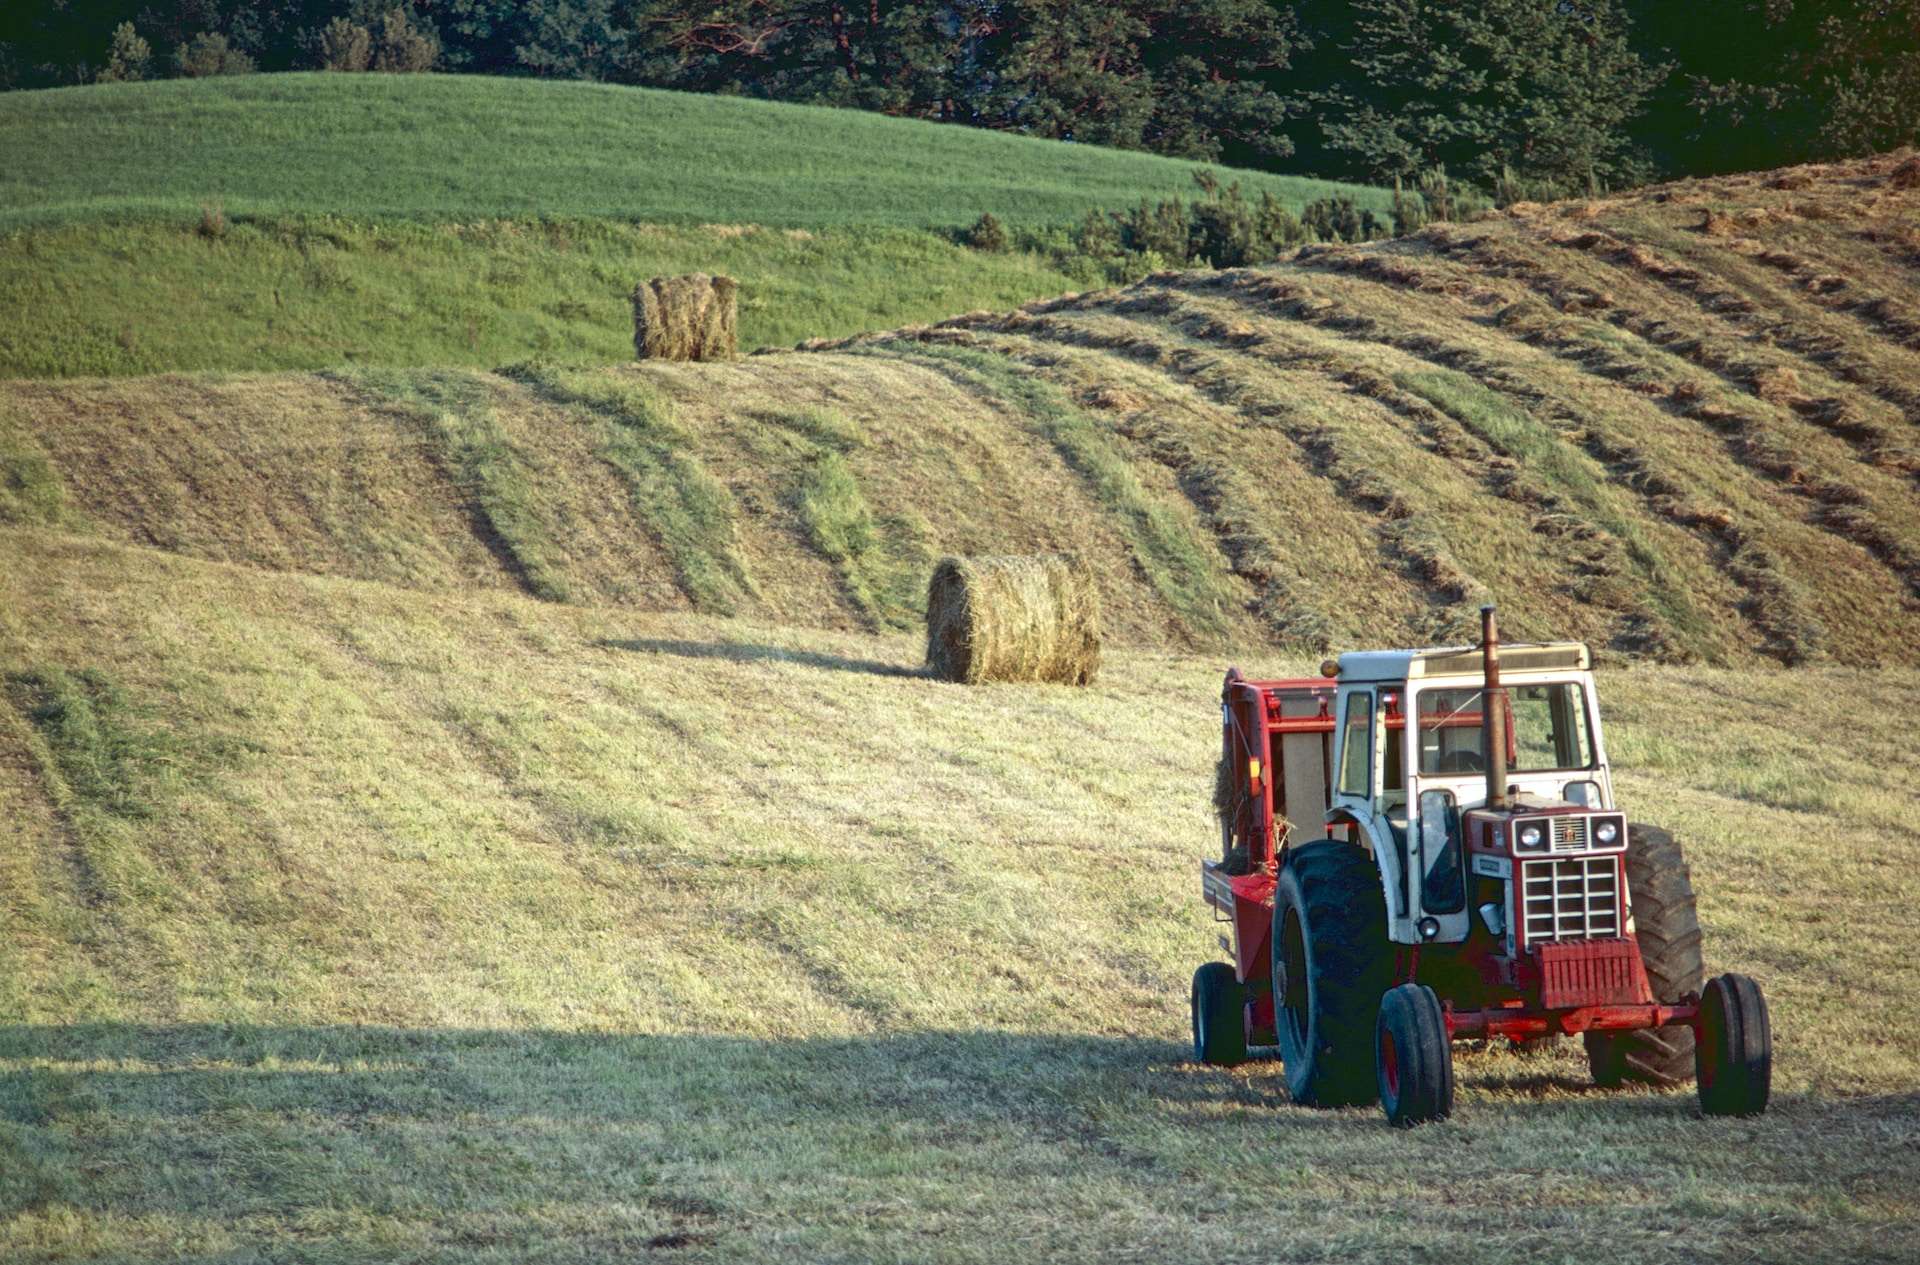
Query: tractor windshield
{"type": "Point", "coordinates": [1547, 729]}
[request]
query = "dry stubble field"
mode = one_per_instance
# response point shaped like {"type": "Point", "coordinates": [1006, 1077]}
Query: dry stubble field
{"type": "Point", "coordinates": [348, 923]}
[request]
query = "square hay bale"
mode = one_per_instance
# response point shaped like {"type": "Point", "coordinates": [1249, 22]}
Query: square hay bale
{"type": "Point", "coordinates": [690, 317]}
{"type": "Point", "coordinates": [1021, 618]}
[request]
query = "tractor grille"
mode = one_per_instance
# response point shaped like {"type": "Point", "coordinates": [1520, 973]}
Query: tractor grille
{"type": "Point", "coordinates": [1569, 834]}
{"type": "Point", "coordinates": [1573, 899]}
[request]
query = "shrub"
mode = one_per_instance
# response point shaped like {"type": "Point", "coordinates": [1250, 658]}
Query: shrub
{"type": "Point", "coordinates": [987, 234]}
{"type": "Point", "coordinates": [213, 221]}
{"type": "Point", "coordinates": [346, 46]}
{"type": "Point", "coordinates": [129, 58]}
{"type": "Point", "coordinates": [1339, 220]}
{"type": "Point", "coordinates": [208, 54]}
{"type": "Point", "coordinates": [404, 50]}
{"type": "Point", "coordinates": [1230, 232]}
{"type": "Point", "coordinates": [1162, 230]}
{"type": "Point", "coordinates": [1409, 211]}
{"type": "Point", "coordinates": [1448, 199]}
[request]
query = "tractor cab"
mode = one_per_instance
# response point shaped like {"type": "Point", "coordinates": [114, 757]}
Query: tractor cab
{"type": "Point", "coordinates": [1440, 772]}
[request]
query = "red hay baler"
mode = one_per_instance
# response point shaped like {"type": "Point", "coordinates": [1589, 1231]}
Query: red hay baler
{"type": "Point", "coordinates": [1467, 874]}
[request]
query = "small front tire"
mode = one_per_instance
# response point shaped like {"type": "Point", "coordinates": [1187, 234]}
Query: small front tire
{"type": "Point", "coordinates": [1219, 1016]}
{"type": "Point", "coordinates": [1413, 1057]}
{"type": "Point", "coordinates": [1733, 1048]}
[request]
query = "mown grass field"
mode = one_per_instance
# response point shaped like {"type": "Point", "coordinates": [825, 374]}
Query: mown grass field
{"type": "Point", "coordinates": [353, 923]}
{"type": "Point", "coordinates": [1678, 445]}
{"type": "Point", "coordinates": [400, 220]}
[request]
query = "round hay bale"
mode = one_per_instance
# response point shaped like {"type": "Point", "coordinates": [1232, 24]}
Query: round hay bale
{"type": "Point", "coordinates": [1013, 619]}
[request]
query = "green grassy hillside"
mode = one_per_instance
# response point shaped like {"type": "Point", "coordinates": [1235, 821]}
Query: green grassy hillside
{"type": "Point", "coordinates": [1678, 444]}
{"type": "Point", "coordinates": [150, 297]}
{"type": "Point", "coordinates": [399, 220]}
{"type": "Point", "coordinates": [346, 922]}
{"type": "Point", "coordinates": [462, 148]}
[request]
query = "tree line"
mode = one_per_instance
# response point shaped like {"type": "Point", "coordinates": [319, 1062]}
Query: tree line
{"type": "Point", "coordinates": [1525, 97]}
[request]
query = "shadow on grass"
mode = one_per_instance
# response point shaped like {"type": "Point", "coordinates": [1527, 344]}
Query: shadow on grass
{"type": "Point", "coordinates": [739, 652]}
{"type": "Point", "coordinates": [503, 1144]}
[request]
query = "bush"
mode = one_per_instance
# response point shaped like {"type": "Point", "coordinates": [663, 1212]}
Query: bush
{"type": "Point", "coordinates": [1162, 230]}
{"type": "Point", "coordinates": [213, 221]}
{"type": "Point", "coordinates": [346, 46]}
{"type": "Point", "coordinates": [1339, 220]}
{"type": "Point", "coordinates": [208, 54]}
{"type": "Point", "coordinates": [129, 58]}
{"type": "Point", "coordinates": [987, 234]}
{"type": "Point", "coordinates": [1227, 231]}
{"type": "Point", "coordinates": [1409, 211]}
{"type": "Point", "coordinates": [1448, 199]}
{"type": "Point", "coordinates": [404, 50]}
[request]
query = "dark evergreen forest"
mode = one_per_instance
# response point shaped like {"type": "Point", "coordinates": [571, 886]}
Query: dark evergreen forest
{"type": "Point", "coordinates": [1521, 97]}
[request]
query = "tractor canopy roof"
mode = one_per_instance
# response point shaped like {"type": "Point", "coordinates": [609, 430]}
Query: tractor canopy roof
{"type": "Point", "coordinates": [1462, 661]}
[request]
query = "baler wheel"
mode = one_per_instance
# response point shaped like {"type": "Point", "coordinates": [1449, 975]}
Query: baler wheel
{"type": "Point", "coordinates": [1734, 1053]}
{"type": "Point", "coordinates": [1219, 1016]}
{"type": "Point", "coordinates": [1668, 928]}
{"type": "Point", "coordinates": [1332, 961]}
{"type": "Point", "coordinates": [1413, 1057]}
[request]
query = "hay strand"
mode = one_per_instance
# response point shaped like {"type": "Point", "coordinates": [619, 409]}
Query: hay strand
{"type": "Point", "coordinates": [1013, 619]}
{"type": "Point", "coordinates": [691, 317]}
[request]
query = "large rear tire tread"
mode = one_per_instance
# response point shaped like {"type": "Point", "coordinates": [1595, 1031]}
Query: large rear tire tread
{"type": "Point", "coordinates": [1333, 889]}
{"type": "Point", "coordinates": [1667, 924]}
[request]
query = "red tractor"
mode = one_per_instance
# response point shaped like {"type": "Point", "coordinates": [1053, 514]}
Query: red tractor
{"type": "Point", "coordinates": [1474, 878]}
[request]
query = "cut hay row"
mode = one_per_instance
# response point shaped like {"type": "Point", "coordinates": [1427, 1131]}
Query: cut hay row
{"type": "Point", "coordinates": [1412, 542]}
{"type": "Point", "coordinates": [1592, 555]}
{"type": "Point", "coordinates": [1013, 619]}
{"type": "Point", "coordinates": [1294, 614]}
{"type": "Point", "coordinates": [1734, 358]}
{"type": "Point", "coordinates": [1643, 630]}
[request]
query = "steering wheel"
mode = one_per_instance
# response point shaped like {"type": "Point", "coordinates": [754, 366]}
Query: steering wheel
{"type": "Point", "coordinates": [1462, 761]}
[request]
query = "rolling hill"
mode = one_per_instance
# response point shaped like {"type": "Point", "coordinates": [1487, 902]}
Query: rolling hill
{"type": "Point", "coordinates": [1683, 425]}
{"type": "Point", "coordinates": [463, 816]}
{"type": "Point", "coordinates": [308, 220]}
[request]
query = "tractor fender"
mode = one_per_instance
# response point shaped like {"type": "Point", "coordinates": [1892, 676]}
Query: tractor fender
{"type": "Point", "coordinates": [1386, 860]}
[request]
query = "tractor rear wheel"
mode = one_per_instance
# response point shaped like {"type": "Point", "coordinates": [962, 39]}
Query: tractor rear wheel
{"type": "Point", "coordinates": [1734, 1056]}
{"type": "Point", "coordinates": [1219, 1016]}
{"type": "Point", "coordinates": [1660, 891]}
{"type": "Point", "coordinates": [1413, 1057]}
{"type": "Point", "coordinates": [1331, 963]}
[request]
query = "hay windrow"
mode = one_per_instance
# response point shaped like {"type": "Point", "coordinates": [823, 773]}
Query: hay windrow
{"type": "Point", "coordinates": [1018, 618]}
{"type": "Point", "coordinates": [691, 317]}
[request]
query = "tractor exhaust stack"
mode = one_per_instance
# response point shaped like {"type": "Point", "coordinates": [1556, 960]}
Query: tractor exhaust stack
{"type": "Point", "coordinates": [1493, 709]}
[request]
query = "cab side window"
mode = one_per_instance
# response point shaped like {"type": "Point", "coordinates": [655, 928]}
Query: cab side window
{"type": "Point", "coordinates": [1356, 746]}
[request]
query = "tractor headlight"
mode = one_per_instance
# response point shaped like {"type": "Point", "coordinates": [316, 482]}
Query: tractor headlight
{"type": "Point", "coordinates": [1530, 838]}
{"type": "Point", "coordinates": [1606, 832]}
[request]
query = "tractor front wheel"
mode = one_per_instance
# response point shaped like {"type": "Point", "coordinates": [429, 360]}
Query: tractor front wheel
{"type": "Point", "coordinates": [1413, 1057]}
{"type": "Point", "coordinates": [1219, 1016]}
{"type": "Point", "coordinates": [1331, 963]}
{"type": "Point", "coordinates": [1733, 1049]}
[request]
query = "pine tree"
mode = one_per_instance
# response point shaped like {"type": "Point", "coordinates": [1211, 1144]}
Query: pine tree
{"type": "Point", "coordinates": [129, 58]}
{"type": "Point", "coordinates": [1544, 87]}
